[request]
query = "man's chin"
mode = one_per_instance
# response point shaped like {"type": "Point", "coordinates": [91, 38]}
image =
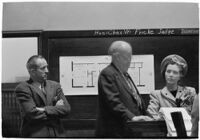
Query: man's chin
{"type": "Point", "coordinates": [44, 79]}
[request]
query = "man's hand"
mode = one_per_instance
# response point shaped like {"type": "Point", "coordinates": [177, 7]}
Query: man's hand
{"type": "Point", "coordinates": [60, 102]}
{"type": "Point", "coordinates": [40, 109]}
{"type": "Point", "coordinates": [142, 118]}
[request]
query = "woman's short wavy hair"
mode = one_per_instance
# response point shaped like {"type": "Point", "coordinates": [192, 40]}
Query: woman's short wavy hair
{"type": "Point", "coordinates": [174, 59]}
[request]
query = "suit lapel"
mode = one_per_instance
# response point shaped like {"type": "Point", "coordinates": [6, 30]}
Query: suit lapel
{"type": "Point", "coordinates": [137, 92]}
{"type": "Point", "coordinates": [180, 92]}
{"type": "Point", "coordinates": [126, 87]}
{"type": "Point", "coordinates": [166, 93]}
{"type": "Point", "coordinates": [40, 93]}
{"type": "Point", "coordinates": [123, 82]}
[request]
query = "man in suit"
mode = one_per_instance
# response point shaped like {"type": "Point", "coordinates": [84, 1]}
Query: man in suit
{"type": "Point", "coordinates": [195, 117]}
{"type": "Point", "coordinates": [118, 98]}
{"type": "Point", "coordinates": [42, 102]}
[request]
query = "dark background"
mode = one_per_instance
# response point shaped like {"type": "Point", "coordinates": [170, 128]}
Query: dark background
{"type": "Point", "coordinates": [52, 44]}
{"type": "Point", "coordinates": [159, 46]}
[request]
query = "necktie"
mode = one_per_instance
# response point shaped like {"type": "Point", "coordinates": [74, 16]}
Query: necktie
{"type": "Point", "coordinates": [43, 90]}
{"type": "Point", "coordinates": [134, 91]}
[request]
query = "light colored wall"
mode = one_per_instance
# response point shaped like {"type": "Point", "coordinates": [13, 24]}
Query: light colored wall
{"type": "Point", "coordinates": [15, 53]}
{"type": "Point", "coordinates": [98, 15]}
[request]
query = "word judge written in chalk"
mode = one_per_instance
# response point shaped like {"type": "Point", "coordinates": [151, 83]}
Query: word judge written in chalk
{"type": "Point", "coordinates": [134, 32]}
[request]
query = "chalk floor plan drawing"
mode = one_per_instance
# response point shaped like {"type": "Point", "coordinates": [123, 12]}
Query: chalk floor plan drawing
{"type": "Point", "coordinates": [79, 74]}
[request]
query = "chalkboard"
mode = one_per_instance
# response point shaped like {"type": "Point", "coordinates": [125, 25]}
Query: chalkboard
{"type": "Point", "coordinates": [159, 42]}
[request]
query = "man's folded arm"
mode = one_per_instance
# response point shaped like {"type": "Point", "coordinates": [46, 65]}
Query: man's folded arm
{"type": "Point", "coordinates": [61, 108]}
{"type": "Point", "coordinates": [27, 104]}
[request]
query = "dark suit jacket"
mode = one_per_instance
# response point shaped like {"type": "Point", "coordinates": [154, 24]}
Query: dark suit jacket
{"type": "Point", "coordinates": [36, 123]}
{"type": "Point", "coordinates": [195, 117]}
{"type": "Point", "coordinates": [116, 104]}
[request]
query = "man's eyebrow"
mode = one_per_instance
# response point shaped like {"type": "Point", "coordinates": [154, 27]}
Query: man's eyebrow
{"type": "Point", "coordinates": [43, 66]}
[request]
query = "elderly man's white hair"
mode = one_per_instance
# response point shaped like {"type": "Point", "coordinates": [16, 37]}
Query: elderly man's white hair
{"type": "Point", "coordinates": [118, 46]}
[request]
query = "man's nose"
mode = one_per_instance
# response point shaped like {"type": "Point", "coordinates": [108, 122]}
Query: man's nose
{"type": "Point", "coordinates": [171, 74]}
{"type": "Point", "coordinates": [46, 70]}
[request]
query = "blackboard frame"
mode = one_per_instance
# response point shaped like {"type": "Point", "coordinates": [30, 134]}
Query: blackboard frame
{"type": "Point", "coordinates": [49, 48]}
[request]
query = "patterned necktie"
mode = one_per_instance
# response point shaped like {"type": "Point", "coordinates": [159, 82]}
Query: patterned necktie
{"type": "Point", "coordinates": [133, 89]}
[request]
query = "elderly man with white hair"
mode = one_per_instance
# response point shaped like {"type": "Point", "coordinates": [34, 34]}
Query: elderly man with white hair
{"type": "Point", "coordinates": [118, 98]}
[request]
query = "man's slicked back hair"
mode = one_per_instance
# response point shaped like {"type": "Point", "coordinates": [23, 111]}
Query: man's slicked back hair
{"type": "Point", "coordinates": [31, 63]}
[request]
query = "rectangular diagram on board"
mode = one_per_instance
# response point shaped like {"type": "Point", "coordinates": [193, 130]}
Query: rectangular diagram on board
{"type": "Point", "coordinates": [79, 74]}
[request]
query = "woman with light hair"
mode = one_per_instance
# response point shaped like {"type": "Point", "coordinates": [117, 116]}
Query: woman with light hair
{"type": "Point", "coordinates": [173, 68]}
